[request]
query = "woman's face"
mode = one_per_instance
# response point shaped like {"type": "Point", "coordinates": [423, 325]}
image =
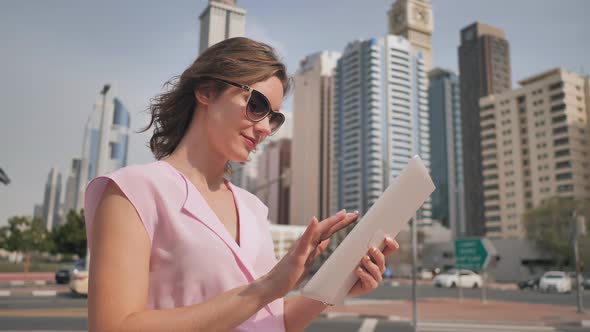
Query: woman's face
{"type": "Point", "coordinates": [229, 130]}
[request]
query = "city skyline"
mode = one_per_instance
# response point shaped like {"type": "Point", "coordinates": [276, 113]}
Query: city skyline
{"type": "Point", "coordinates": [50, 88]}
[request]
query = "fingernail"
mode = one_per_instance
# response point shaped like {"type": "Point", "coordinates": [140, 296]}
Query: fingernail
{"type": "Point", "coordinates": [387, 238]}
{"type": "Point", "coordinates": [343, 211]}
{"type": "Point", "coordinates": [367, 258]}
{"type": "Point", "coordinates": [359, 269]}
{"type": "Point", "coordinates": [356, 212]}
{"type": "Point", "coordinates": [373, 249]}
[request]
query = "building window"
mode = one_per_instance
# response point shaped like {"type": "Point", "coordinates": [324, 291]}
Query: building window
{"type": "Point", "coordinates": [563, 176]}
{"type": "Point", "coordinates": [560, 130]}
{"type": "Point", "coordinates": [557, 96]}
{"type": "Point", "coordinates": [561, 141]}
{"type": "Point", "coordinates": [565, 188]}
{"type": "Point", "coordinates": [555, 86]}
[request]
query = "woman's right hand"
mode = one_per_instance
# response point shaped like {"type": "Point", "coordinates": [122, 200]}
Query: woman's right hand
{"type": "Point", "coordinates": [295, 265]}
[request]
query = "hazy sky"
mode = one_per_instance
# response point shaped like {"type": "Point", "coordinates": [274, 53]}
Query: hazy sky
{"type": "Point", "coordinates": [56, 55]}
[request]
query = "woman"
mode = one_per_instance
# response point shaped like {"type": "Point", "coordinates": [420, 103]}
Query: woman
{"type": "Point", "coordinates": [174, 245]}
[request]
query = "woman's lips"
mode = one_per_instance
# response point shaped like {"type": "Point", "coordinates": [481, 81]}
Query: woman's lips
{"type": "Point", "coordinates": [249, 142]}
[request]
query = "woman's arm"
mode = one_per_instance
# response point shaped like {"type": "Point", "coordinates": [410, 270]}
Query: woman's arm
{"type": "Point", "coordinates": [118, 284]}
{"type": "Point", "coordinates": [301, 311]}
{"type": "Point", "coordinates": [119, 271]}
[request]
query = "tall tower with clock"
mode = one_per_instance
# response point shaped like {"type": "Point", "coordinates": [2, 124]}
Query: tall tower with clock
{"type": "Point", "coordinates": [412, 19]}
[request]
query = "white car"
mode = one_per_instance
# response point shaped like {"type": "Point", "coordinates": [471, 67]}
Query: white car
{"type": "Point", "coordinates": [79, 282]}
{"type": "Point", "coordinates": [556, 281]}
{"type": "Point", "coordinates": [451, 278]}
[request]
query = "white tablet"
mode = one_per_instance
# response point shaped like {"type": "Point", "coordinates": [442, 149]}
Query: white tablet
{"type": "Point", "coordinates": [392, 211]}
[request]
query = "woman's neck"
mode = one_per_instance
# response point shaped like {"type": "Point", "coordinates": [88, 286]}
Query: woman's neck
{"type": "Point", "coordinates": [199, 163]}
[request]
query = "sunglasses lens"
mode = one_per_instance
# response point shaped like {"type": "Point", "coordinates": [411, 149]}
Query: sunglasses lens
{"type": "Point", "coordinates": [258, 106]}
{"type": "Point", "coordinates": [276, 121]}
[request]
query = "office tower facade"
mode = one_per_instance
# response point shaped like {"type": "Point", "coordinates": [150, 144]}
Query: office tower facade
{"type": "Point", "coordinates": [72, 185]}
{"type": "Point", "coordinates": [484, 69]}
{"type": "Point", "coordinates": [221, 20]}
{"type": "Point", "coordinates": [446, 152]}
{"type": "Point", "coordinates": [535, 145]}
{"type": "Point", "coordinates": [106, 141]}
{"type": "Point", "coordinates": [413, 20]}
{"type": "Point", "coordinates": [380, 120]}
{"type": "Point", "coordinates": [312, 138]}
{"type": "Point", "coordinates": [274, 180]}
{"type": "Point", "coordinates": [52, 200]}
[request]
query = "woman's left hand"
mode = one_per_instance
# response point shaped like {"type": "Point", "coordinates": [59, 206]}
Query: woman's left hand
{"type": "Point", "coordinates": [371, 268]}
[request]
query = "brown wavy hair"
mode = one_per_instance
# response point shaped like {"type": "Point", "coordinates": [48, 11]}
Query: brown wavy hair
{"type": "Point", "coordinates": [239, 59]}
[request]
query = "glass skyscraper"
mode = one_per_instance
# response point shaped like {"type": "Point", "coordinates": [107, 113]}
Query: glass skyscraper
{"type": "Point", "coordinates": [105, 143]}
{"type": "Point", "coordinates": [380, 119]}
{"type": "Point", "coordinates": [448, 200]}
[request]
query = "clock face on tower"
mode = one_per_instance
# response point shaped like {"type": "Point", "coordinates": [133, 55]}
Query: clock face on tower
{"type": "Point", "coordinates": [421, 15]}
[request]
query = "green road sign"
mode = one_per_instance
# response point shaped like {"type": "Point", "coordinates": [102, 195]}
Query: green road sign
{"type": "Point", "coordinates": [473, 253]}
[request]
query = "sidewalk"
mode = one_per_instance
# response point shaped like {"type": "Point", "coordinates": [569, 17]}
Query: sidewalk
{"type": "Point", "coordinates": [31, 276]}
{"type": "Point", "coordinates": [468, 310]}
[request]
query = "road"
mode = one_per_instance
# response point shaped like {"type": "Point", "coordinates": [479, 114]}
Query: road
{"type": "Point", "coordinates": [68, 313]}
{"type": "Point", "coordinates": [387, 292]}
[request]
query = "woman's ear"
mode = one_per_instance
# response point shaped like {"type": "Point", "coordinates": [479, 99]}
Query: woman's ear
{"type": "Point", "coordinates": [203, 96]}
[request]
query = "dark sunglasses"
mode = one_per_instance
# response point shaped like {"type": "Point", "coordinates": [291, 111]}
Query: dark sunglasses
{"type": "Point", "coordinates": [258, 107]}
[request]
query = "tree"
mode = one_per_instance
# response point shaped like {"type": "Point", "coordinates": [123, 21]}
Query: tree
{"type": "Point", "coordinates": [70, 238]}
{"type": "Point", "coordinates": [549, 226]}
{"type": "Point", "coordinates": [26, 235]}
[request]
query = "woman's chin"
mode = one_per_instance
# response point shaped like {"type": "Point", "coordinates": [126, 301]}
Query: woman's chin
{"type": "Point", "coordinates": [240, 156]}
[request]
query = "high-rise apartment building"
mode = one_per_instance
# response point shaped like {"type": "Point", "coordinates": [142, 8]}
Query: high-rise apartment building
{"type": "Point", "coordinates": [535, 145]}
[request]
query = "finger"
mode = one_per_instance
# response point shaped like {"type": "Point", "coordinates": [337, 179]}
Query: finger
{"type": "Point", "coordinates": [320, 249]}
{"type": "Point", "coordinates": [306, 242]}
{"type": "Point", "coordinates": [349, 219]}
{"type": "Point", "coordinates": [368, 282]}
{"type": "Point", "coordinates": [327, 223]}
{"type": "Point", "coordinates": [391, 246]}
{"type": "Point", "coordinates": [378, 257]}
{"type": "Point", "coordinates": [372, 268]}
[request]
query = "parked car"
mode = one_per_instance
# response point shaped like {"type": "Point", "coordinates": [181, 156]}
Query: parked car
{"type": "Point", "coordinates": [529, 284]}
{"type": "Point", "coordinates": [557, 281]}
{"type": "Point", "coordinates": [424, 274]}
{"type": "Point", "coordinates": [586, 283]}
{"type": "Point", "coordinates": [458, 278]}
{"type": "Point", "coordinates": [79, 281]}
{"type": "Point", "coordinates": [63, 275]}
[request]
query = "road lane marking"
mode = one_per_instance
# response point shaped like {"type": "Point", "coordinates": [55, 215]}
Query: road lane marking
{"type": "Point", "coordinates": [369, 325]}
{"type": "Point", "coordinates": [44, 293]}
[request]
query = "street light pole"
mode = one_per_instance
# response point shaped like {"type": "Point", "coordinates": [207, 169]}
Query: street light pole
{"type": "Point", "coordinates": [414, 263]}
{"type": "Point", "coordinates": [576, 234]}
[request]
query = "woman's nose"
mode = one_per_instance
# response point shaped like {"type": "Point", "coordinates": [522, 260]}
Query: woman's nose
{"type": "Point", "coordinates": [263, 126]}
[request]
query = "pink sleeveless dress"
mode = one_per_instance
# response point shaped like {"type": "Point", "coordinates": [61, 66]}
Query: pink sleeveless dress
{"type": "Point", "coordinates": [193, 257]}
